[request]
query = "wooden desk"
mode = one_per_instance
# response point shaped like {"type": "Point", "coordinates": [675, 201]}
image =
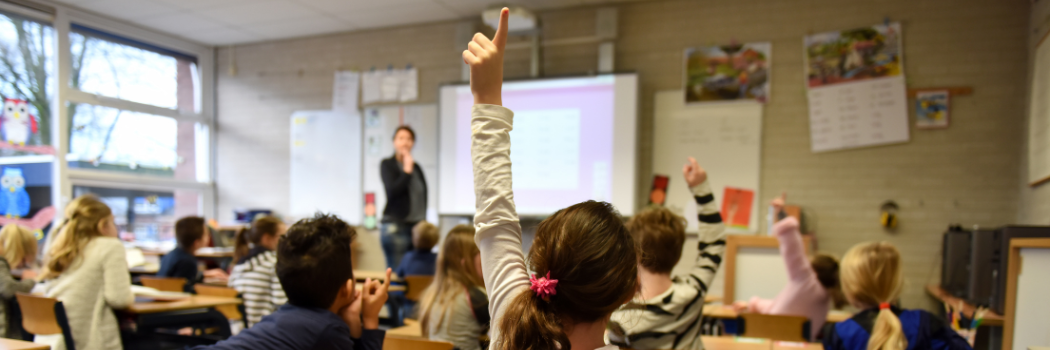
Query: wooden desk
{"type": "Point", "coordinates": [727, 312]}
{"type": "Point", "coordinates": [990, 318]}
{"type": "Point", "coordinates": [733, 343]}
{"type": "Point", "coordinates": [411, 329]}
{"type": "Point", "coordinates": [11, 344]}
{"type": "Point", "coordinates": [393, 287]}
{"type": "Point", "coordinates": [780, 345]}
{"type": "Point", "coordinates": [214, 254]}
{"type": "Point", "coordinates": [148, 269]}
{"type": "Point", "coordinates": [361, 275]}
{"type": "Point", "coordinates": [712, 299]}
{"type": "Point", "coordinates": [194, 302]}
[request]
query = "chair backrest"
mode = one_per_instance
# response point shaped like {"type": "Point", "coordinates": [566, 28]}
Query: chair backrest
{"type": "Point", "coordinates": [415, 285]}
{"type": "Point", "coordinates": [776, 327]}
{"type": "Point", "coordinates": [164, 284]}
{"type": "Point", "coordinates": [45, 316]}
{"type": "Point", "coordinates": [230, 311]}
{"type": "Point", "coordinates": [398, 343]}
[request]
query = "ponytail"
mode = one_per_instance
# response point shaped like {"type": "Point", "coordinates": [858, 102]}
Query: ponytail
{"type": "Point", "coordinates": [887, 333]}
{"type": "Point", "coordinates": [240, 245]}
{"type": "Point", "coordinates": [534, 325]}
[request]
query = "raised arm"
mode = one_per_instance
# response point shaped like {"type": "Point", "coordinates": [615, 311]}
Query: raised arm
{"type": "Point", "coordinates": [791, 247]}
{"type": "Point", "coordinates": [711, 232]}
{"type": "Point", "coordinates": [498, 231]}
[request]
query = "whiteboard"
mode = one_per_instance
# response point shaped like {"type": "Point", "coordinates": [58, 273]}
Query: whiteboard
{"type": "Point", "coordinates": [326, 164]}
{"type": "Point", "coordinates": [380, 123]}
{"type": "Point", "coordinates": [1032, 316]}
{"type": "Point", "coordinates": [760, 272]}
{"type": "Point", "coordinates": [725, 138]}
{"type": "Point", "coordinates": [1039, 117]}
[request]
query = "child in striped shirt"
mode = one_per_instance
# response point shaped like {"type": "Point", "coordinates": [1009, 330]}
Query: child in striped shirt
{"type": "Point", "coordinates": [666, 313]}
{"type": "Point", "coordinates": [254, 276]}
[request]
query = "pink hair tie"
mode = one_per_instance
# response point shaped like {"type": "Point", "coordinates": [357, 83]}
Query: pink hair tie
{"type": "Point", "coordinates": [544, 286]}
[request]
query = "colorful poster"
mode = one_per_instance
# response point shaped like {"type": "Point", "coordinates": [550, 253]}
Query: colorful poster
{"type": "Point", "coordinates": [736, 207]}
{"type": "Point", "coordinates": [658, 195]}
{"type": "Point", "coordinates": [931, 109]}
{"type": "Point", "coordinates": [854, 55]}
{"type": "Point", "coordinates": [728, 73]}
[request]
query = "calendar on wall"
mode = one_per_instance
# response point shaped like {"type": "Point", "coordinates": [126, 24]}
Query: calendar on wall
{"type": "Point", "coordinates": [857, 96]}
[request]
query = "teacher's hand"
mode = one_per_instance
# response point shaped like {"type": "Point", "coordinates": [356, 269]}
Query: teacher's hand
{"type": "Point", "coordinates": [407, 162]}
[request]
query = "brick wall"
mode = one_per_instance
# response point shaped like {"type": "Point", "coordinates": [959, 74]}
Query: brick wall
{"type": "Point", "coordinates": [967, 174]}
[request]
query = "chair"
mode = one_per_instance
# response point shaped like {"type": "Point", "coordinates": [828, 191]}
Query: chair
{"type": "Point", "coordinates": [230, 311]}
{"type": "Point", "coordinates": [776, 327]}
{"type": "Point", "coordinates": [164, 284]}
{"type": "Point", "coordinates": [398, 343]}
{"type": "Point", "coordinates": [415, 285]}
{"type": "Point", "coordinates": [44, 316]}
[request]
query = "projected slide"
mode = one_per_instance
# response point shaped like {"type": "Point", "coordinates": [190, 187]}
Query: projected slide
{"type": "Point", "coordinates": [573, 140]}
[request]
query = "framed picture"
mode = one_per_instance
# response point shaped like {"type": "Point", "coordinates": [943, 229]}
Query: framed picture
{"type": "Point", "coordinates": [931, 109]}
{"type": "Point", "coordinates": [738, 72]}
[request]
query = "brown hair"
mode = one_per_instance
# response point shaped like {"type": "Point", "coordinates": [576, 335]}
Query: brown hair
{"type": "Point", "coordinates": [589, 251]}
{"type": "Point", "coordinates": [405, 128]}
{"type": "Point", "coordinates": [80, 227]}
{"type": "Point", "coordinates": [871, 275]}
{"type": "Point", "coordinates": [453, 274]}
{"type": "Point", "coordinates": [660, 235]}
{"type": "Point", "coordinates": [262, 226]}
{"type": "Point", "coordinates": [19, 245]}
{"type": "Point", "coordinates": [424, 236]}
{"type": "Point", "coordinates": [188, 231]}
{"type": "Point", "coordinates": [827, 269]}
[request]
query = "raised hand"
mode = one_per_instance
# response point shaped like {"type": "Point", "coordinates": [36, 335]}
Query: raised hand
{"type": "Point", "coordinates": [693, 173]}
{"type": "Point", "coordinates": [373, 296]}
{"type": "Point", "coordinates": [778, 203]}
{"type": "Point", "coordinates": [485, 58]}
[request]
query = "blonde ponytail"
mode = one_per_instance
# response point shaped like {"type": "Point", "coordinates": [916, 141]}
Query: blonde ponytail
{"type": "Point", "coordinates": [871, 276]}
{"type": "Point", "coordinates": [82, 221]}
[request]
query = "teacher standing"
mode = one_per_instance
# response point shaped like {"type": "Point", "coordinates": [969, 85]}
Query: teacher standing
{"type": "Point", "coordinates": [406, 196]}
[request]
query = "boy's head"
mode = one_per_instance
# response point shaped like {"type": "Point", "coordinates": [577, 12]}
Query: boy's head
{"type": "Point", "coordinates": [188, 231]}
{"type": "Point", "coordinates": [660, 235]}
{"type": "Point", "coordinates": [314, 262]}
{"type": "Point", "coordinates": [424, 236]}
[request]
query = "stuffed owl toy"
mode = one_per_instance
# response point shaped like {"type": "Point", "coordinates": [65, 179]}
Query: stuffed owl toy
{"type": "Point", "coordinates": [14, 201]}
{"type": "Point", "coordinates": [17, 125]}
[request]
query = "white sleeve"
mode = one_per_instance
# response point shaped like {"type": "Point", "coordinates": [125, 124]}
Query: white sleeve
{"type": "Point", "coordinates": [498, 231]}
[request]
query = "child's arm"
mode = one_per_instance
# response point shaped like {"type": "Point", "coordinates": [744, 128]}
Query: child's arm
{"type": "Point", "coordinates": [791, 247]}
{"type": "Point", "coordinates": [498, 231]}
{"type": "Point", "coordinates": [116, 281]}
{"type": "Point", "coordinates": [9, 285]}
{"type": "Point", "coordinates": [711, 232]}
{"type": "Point", "coordinates": [372, 297]}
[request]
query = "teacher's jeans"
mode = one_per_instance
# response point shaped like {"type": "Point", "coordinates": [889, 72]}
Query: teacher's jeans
{"type": "Point", "coordinates": [397, 240]}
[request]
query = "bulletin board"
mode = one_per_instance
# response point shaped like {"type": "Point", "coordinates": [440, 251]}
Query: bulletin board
{"type": "Point", "coordinates": [1027, 322]}
{"type": "Point", "coordinates": [379, 126]}
{"type": "Point", "coordinates": [1039, 117]}
{"type": "Point", "coordinates": [326, 164]}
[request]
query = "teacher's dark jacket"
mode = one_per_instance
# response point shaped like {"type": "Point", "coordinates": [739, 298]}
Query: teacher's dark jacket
{"type": "Point", "coordinates": [396, 182]}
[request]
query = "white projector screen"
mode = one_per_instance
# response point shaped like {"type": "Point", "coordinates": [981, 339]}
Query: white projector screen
{"type": "Point", "coordinates": [573, 140]}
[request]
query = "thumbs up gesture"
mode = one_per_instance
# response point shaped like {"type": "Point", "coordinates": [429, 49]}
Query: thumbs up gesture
{"type": "Point", "coordinates": [485, 58]}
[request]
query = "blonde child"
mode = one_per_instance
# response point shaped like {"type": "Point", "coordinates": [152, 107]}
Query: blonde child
{"type": "Point", "coordinates": [584, 261]}
{"type": "Point", "coordinates": [420, 261]}
{"type": "Point", "coordinates": [666, 314]}
{"type": "Point", "coordinates": [872, 280]}
{"type": "Point", "coordinates": [455, 306]}
{"type": "Point", "coordinates": [18, 248]}
{"type": "Point", "coordinates": [254, 275]}
{"type": "Point", "coordinates": [813, 284]}
{"type": "Point", "coordinates": [86, 269]}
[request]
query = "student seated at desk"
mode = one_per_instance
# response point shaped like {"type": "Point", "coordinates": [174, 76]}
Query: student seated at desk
{"type": "Point", "coordinates": [190, 234]}
{"type": "Point", "coordinates": [813, 284]}
{"type": "Point", "coordinates": [455, 307]}
{"type": "Point", "coordinates": [421, 260]}
{"type": "Point", "coordinates": [666, 313]}
{"type": "Point", "coordinates": [254, 276]}
{"type": "Point", "coordinates": [17, 249]}
{"type": "Point", "coordinates": [87, 271]}
{"type": "Point", "coordinates": [872, 280]}
{"type": "Point", "coordinates": [324, 311]}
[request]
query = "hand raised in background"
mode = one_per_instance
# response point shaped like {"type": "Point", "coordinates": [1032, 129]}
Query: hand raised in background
{"type": "Point", "coordinates": [373, 296]}
{"type": "Point", "coordinates": [692, 172]}
{"type": "Point", "coordinates": [778, 203]}
{"type": "Point", "coordinates": [485, 58]}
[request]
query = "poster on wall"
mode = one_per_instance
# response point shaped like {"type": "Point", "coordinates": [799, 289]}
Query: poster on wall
{"type": "Point", "coordinates": [931, 109]}
{"type": "Point", "coordinates": [856, 90]}
{"type": "Point", "coordinates": [728, 73]}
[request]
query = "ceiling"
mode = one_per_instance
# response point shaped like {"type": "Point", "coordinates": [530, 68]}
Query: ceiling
{"type": "Point", "coordinates": [228, 22]}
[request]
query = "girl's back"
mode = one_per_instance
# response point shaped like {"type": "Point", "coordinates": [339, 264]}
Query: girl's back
{"type": "Point", "coordinates": [464, 321]}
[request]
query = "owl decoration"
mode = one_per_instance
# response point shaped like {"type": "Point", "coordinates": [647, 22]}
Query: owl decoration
{"type": "Point", "coordinates": [17, 125]}
{"type": "Point", "coordinates": [14, 202]}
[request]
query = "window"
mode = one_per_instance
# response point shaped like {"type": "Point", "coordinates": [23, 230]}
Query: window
{"type": "Point", "coordinates": [146, 217]}
{"type": "Point", "coordinates": [26, 76]}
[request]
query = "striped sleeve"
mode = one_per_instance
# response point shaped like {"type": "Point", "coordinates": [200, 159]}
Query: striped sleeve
{"type": "Point", "coordinates": [259, 286]}
{"type": "Point", "coordinates": [712, 238]}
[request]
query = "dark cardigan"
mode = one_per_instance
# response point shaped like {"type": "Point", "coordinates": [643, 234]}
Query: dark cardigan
{"type": "Point", "coordinates": [396, 183]}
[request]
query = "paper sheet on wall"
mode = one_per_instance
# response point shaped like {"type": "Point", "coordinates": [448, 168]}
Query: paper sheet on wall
{"type": "Point", "coordinates": [390, 86]}
{"type": "Point", "coordinates": [857, 95]}
{"type": "Point", "coordinates": [344, 91]}
{"type": "Point", "coordinates": [409, 85]}
{"type": "Point", "coordinates": [370, 87]}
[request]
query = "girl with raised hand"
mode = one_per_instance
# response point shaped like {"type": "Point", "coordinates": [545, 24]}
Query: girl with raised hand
{"type": "Point", "coordinates": [583, 259]}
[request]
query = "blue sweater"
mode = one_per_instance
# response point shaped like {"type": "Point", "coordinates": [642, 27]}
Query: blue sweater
{"type": "Point", "coordinates": [417, 263]}
{"type": "Point", "coordinates": [180, 263]}
{"type": "Point", "coordinates": [922, 329]}
{"type": "Point", "coordinates": [299, 328]}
